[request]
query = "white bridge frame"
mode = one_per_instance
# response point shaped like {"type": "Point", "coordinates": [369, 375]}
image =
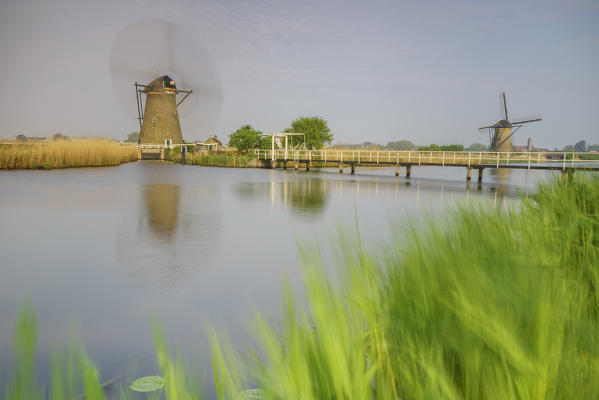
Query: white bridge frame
{"type": "Point", "coordinates": [527, 160]}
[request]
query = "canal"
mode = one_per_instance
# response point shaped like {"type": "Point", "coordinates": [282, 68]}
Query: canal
{"type": "Point", "coordinates": [100, 252]}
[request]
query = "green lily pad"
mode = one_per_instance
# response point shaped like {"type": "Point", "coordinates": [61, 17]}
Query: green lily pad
{"type": "Point", "coordinates": [147, 384]}
{"type": "Point", "coordinates": [252, 394]}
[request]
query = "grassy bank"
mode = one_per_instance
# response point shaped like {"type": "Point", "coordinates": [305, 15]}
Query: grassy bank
{"type": "Point", "coordinates": [65, 154]}
{"type": "Point", "coordinates": [213, 159]}
{"type": "Point", "coordinates": [232, 160]}
{"type": "Point", "coordinates": [480, 304]}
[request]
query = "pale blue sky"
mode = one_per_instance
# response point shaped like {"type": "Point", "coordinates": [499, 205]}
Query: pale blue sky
{"type": "Point", "coordinates": [377, 71]}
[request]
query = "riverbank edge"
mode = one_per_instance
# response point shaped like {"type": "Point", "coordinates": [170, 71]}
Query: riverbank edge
{"type": "Point", "coordinates": [69, 167]}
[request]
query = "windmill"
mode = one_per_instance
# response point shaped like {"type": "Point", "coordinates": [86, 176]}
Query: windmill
{"type": "Point", "coordinates": [159, 119]}
{"type": "Point", "coordinates": [177, 77]}
{"type": "Point", "coordinates": [502, 131]}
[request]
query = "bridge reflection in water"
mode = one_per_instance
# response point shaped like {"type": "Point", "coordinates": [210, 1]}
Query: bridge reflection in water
{"type": "Point", "coordinates": [310, 194]}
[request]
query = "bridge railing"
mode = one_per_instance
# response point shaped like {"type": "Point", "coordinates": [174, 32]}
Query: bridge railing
{"type": "Point", "coordinates": [449, 158]}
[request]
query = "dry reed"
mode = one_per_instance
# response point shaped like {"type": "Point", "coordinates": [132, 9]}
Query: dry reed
{"type": "Point", "coordinates": [89, 152]}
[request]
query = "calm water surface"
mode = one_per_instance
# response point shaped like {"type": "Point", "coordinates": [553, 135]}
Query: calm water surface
{"type": "Point", "coordinates": [103, 250]}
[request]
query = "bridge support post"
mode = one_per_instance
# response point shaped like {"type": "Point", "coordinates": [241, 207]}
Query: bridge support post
{"type": "Point", "coordinates": [468, 174]}
{"type": "Point", "coordinates": [353, 169]}
{"type": "Point", "coordinates": [480, 175]}
{"type": "Point", "coordinates": [408, 171]}
{"type": "Point", "coordinates": [307, 165]}
{"type": "Point", "coordinates": [284, 164]}
{"type": "Point", "coordinates": [296, 165]}
{"type": "Point", "coordinates": [340, 168]}
{"type": "Point", "coordinates": [397, 170]}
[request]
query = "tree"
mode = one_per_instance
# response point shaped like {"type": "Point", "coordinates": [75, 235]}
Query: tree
{"type": "Point", "coordinates": [444, 147]}
{"type": "Point", "coordinates": [133, 137]}
{"type": "Point", "coordinates": [316, 130]}
{"type": "Point", "coordinates": [21, 138]}
{"type": "Point", "coordinates": [581, 146]}
{"type": "Point", "coordinates": [568, 147]}
{"type": "Point", "coordinates": [370, 145]}
{"type": "Point", "coordinates": [452, 147]}
{"type": "Point", "coordinates": [266, 143]}
{"type": "Point", "coordinates": [400, 145]}
{"type": "Point", "coordinates": [431, 147]}
{"type": "Point", "coordinates": [478, 147]}
{"type": "Point", "coordinates": [59, 136]}
{"type": "Point", "coordinates": [594, 147]}
{"type": "Point", "coordinates": [245, 138]}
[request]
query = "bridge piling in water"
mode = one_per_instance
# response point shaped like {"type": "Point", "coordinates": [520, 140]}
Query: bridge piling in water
{"type": "Point", "coordinates": [480, 175]}
{"type": "Point", "coordinates": [340, 168]}
{"type": "Point", "coordinates": [469, 173]}
{"type": "Point", "coordinates": [397, 170]}
{"type": "Point", "coordinates": [408, 171]}
{"type": "Point", "coordinates": [353, 169]}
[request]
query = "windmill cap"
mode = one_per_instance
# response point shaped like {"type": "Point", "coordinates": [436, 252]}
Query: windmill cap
{"type": "Point", "coordinates": [160, 84]}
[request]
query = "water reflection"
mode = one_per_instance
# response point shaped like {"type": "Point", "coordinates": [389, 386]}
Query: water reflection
{"type": "Point", "coordinates": [306, 197]}
{"type": "Point", "coordinates": [162, 208]}
{"type": "Point", "coordinates": [309, 195]}
{"type": "Point", "coordinates": [500, 178]}
{"type": "Point", "coordinates": [174, 231]}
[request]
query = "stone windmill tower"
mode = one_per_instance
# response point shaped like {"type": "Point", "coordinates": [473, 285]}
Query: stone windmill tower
{"type": "Point", "coordinates": [502, 131]}
{"type": "Point", "coordinates": [159, 119]}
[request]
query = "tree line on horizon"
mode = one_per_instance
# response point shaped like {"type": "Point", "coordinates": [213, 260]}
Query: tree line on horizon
{"type": "Point", "coordinates": [318, 134]}
{"type": "Point", "coordinates": [409, 145]}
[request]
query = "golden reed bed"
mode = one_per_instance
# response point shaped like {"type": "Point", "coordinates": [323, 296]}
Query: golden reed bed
{"type": "Point", "coordinates": [92, 152]}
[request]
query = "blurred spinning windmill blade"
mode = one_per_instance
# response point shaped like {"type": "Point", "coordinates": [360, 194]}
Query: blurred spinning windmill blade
{"type": "Point", "coordinates": [149, 48]}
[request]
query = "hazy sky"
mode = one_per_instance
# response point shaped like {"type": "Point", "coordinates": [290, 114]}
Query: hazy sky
{"type": "Point", "coordinates": [377, 70]}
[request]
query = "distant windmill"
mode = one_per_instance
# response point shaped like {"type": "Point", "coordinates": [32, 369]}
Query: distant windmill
{"type": "Point", "coordinates": [502, 131]}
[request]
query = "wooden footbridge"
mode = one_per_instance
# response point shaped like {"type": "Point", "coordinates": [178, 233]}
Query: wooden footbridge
{"type": "Point", "coordinates": [566, 162]}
